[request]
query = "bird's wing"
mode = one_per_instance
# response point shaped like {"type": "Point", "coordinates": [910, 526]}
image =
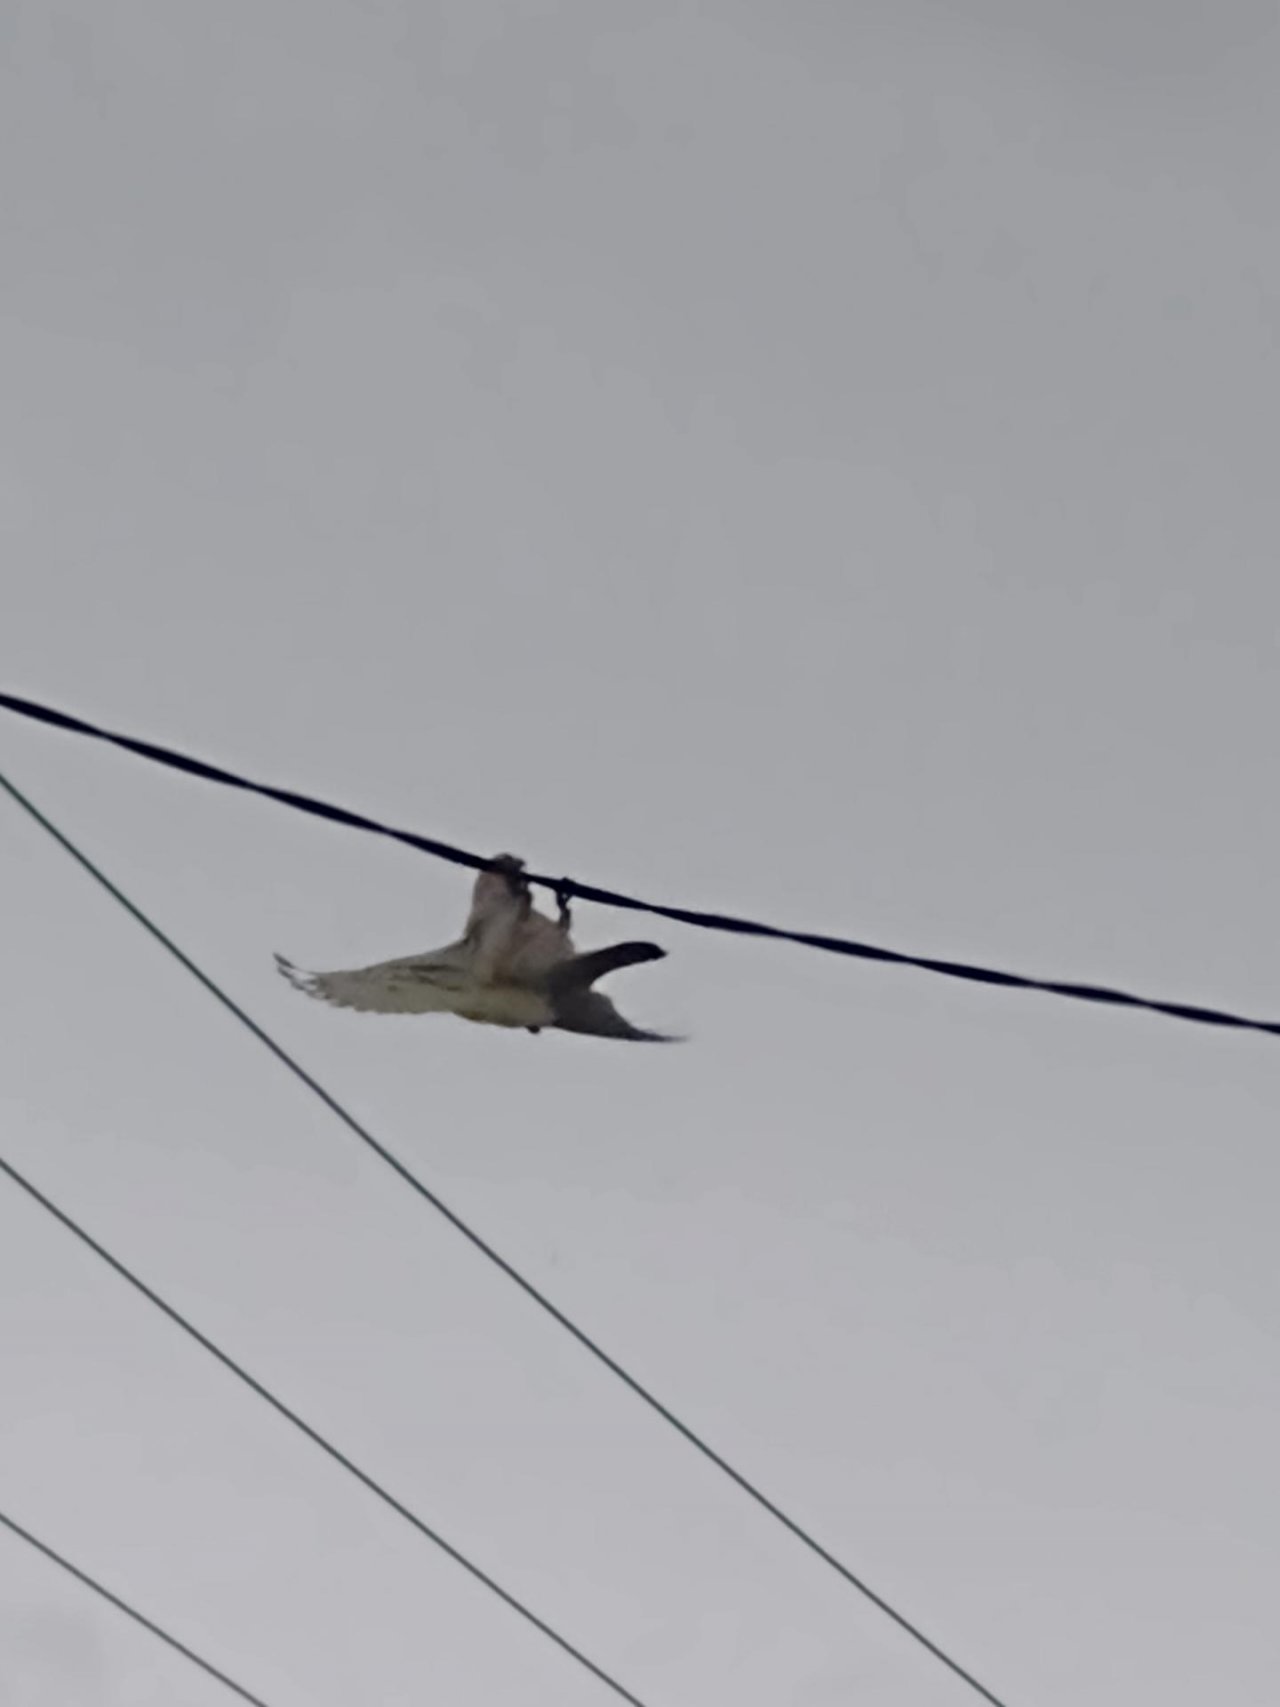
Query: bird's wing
{"type": "Point", "coordinates": [593, 1013]}
{"type": "Point", "coordinates": [419, 984]}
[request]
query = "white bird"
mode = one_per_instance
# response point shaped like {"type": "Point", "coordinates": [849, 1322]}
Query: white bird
{"type": "Point", "coordinates": [512, 966]}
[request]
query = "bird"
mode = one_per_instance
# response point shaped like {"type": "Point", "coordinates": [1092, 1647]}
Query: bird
{"type": "Point", "coordinates": [512, 966]}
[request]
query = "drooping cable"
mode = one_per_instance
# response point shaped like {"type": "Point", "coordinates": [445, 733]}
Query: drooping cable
{"type": "Point", "coordinates": [571, 888]}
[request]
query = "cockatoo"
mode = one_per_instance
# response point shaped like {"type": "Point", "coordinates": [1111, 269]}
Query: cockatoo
{"type": "Point", "coordinates": [512, 966]}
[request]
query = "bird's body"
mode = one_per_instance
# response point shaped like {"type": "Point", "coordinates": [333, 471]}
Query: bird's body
{"type": "Point", "coordinates": [513, 966]}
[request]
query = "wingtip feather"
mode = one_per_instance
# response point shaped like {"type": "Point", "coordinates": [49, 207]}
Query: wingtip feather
{"type": "Point", "coordinates": [300, 980]}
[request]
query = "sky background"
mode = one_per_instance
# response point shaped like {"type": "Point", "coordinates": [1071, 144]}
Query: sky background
{"type": "Point", "coordinates": [805, 460]}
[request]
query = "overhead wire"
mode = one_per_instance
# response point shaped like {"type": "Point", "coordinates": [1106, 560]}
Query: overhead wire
{"type": "Point", "coordinates": [313, 1434]}
{"type": "Point", "coordinates": [540, 1298]}
{"type": "Point", "coordinates": [131, 1611]}
{"type": "Point", "coordinates": [571, 888]}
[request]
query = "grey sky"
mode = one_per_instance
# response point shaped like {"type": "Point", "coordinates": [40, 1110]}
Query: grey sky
{"type": "Point", "coordinates": [811, 461]}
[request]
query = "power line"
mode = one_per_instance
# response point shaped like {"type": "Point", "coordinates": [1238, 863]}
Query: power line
{"type": "Point", "coordinates": [131, 1611]}
{"type": "Point", "coordinates": [339, 1457]}
{"type": "Point", "coordinates": [487, 1250]}
{"type": "Point", "coordinates": [1096, 993]}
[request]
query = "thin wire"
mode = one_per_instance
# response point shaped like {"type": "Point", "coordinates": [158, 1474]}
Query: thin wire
{"type": "Point", "coordinates": [1096, 993]}
{"type": "Point", "coordinates": [339, 1457]}
{"type": "Point", "coordinates": [131, 1611]}
{"type": "Point", "coordinates": [487, 1250]}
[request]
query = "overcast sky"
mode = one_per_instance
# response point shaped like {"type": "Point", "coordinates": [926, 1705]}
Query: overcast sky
{"type": "Point", "coordinates": [807, 460]}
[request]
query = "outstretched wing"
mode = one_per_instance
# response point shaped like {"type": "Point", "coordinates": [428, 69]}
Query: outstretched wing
{"type": "Point", "coordinates": [591, 1012]}
{"type": "Point", "coordinates": [418, 984]}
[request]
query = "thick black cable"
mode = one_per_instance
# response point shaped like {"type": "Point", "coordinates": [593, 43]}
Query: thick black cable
{"type": "Point", "coordinates": [611, 898]}
{"type": "Point", "coordinates": [131, 1611]}
{"type": "Point", "coordinates": [339, 1457]}
{"type": "Point", "coordinates": [526, 1286]}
